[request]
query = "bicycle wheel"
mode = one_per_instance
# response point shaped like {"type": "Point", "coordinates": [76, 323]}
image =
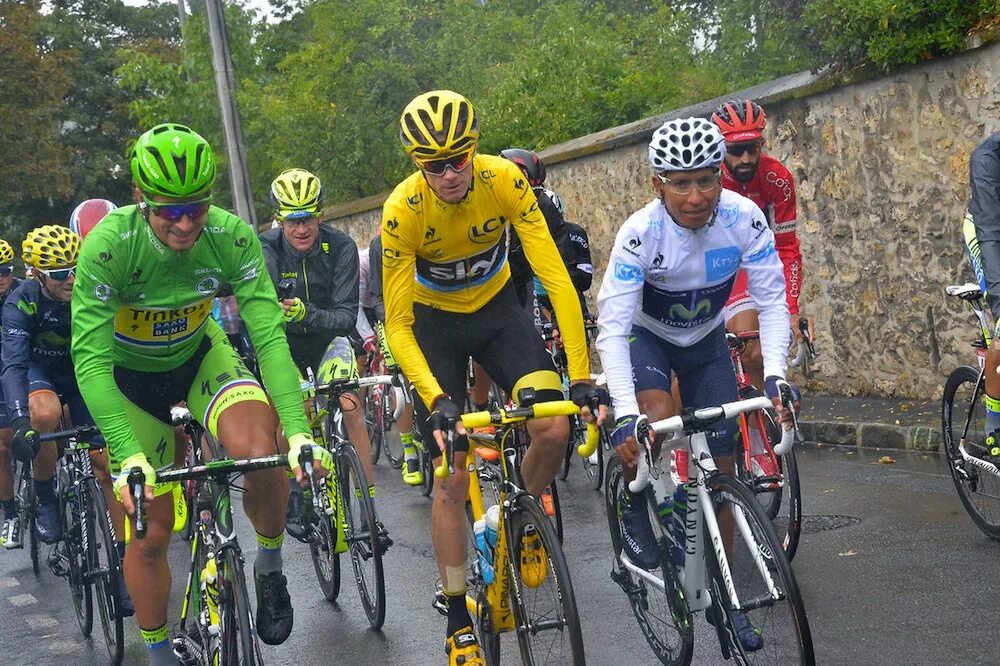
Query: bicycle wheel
{"type": "Point", "coordinates": [373, 420]}
{"type": "Point", "coordinates": [963, 413]}
{"type": "Point", "coordinates": [426, 462]}
{"type": "Point", "coordinates": [28, 512]}
{"type": "Point", "coordinates": [362, 538]}
{"type": "Point", "coordinates": [392, 445]}
{"type": "Point", "coordinates": [547, 623]}
{"type": "Point", "coordinates": [326, 559]}
{"type": "Point", "coordinates": [593, 465]}
{"type": "Point", "coordinates": [556, 517]}
{"type": "Point", "coordinates": [71, 552]}
{"type": "Point", "coordinates": [662, 614]}
{"type": "Point", "coordinates": [762, 579]}
{"type": "Point", "coordinates": [105, 569]}
{"type": "Point", "coordinates": [239, 642]}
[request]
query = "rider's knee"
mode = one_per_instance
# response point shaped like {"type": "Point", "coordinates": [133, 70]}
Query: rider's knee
{"type": "Point", "coordinates": [45, 409]}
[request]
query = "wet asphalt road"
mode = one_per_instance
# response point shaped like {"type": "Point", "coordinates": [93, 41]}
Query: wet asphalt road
{"type": "Point", "coordinates": [907, 579]}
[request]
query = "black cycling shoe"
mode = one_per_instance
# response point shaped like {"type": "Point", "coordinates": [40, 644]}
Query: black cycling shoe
{"type": "Point", "coordinates": [48, 527]}
{"type": "Point", "coordinates": [293, 518]}
{"type": "Point", "coordinates": [638, 540]}
{"type": "Point", "coordinates": [274, 607]}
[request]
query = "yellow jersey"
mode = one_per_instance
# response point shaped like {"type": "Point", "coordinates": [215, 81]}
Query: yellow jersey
{"type": "Point", "coordinates": [454, 257]}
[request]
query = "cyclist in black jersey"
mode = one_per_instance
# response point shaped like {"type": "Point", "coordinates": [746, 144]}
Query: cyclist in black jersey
{"type": "Point", "coordinates": [10, 532]}
{"type": "Point", "coordinates": [322, 314]}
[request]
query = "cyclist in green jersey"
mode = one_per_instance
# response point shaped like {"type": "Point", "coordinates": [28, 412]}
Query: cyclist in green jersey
{"type": "Point", "coordinates": [143, 340]}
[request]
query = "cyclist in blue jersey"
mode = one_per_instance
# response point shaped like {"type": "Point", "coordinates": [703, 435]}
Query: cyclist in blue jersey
{"type": "Point", "coordinates": [10, 532]}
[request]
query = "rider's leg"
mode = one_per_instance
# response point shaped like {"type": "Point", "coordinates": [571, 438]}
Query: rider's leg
{"type": "Point", "coordinates": [992, 380]}
{"type": "Point", "coordinates": [6, 471]}
{"type": "Point", "coordinates": [546, 453]}
{"type": "Point", "coordinates": [46, 410]}
{"type": "Point", "coordinates": [479, 393]}
{"type": "Point", "coordinates": [147, 574]}
{"type": "Point", "coordinates": [753, 359]}
{"type": "Point", "coordinates": [448, 526]}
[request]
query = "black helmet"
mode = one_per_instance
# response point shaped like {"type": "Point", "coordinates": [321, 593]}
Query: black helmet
{"type": "Point", "coordinates": [530, 163]}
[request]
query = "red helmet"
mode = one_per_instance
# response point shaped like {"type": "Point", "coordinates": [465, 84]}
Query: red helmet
{"type": "Point", "coordinates": [86, 216]}
{"type": "Point", "coordinates": [740, 120]}
{"type": "Point", "coordinates": [531, 165]}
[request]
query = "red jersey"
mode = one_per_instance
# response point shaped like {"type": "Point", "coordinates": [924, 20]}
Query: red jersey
{"type": "Point", "coordinates": [773, 190]}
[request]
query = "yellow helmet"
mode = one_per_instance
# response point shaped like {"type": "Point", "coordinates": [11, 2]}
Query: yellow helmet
{"type": "Point", "coordinates": [6, 252]}
{"type": "Point", "coordinates": [50, 247]}
{"type": "Point", "coordinates": [438, 124]}
{"type": "Point", "coordinates": [296, 191]}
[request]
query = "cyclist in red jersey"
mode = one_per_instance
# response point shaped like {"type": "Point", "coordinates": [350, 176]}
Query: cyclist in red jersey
{"type": "Point", "coordinates": [747, 170]}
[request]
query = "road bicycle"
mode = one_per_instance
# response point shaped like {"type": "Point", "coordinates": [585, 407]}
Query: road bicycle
{"type": "Point", "coordinates": [531, 592]}
{"type": "Point", "coordinates": [87, 556]}
{"type": "Point", "coordinates": [774, 479]}
{"type": "Point", "coordinates": [340, 513]}
{"type": "Point", "coordinates": [216, 625]}
{"type": "Point", "coordinates": [745, 576]}
{"type": "Point", "coordinates": [24, 495]}
{"type": "Point", "coordinates": [963, 422]}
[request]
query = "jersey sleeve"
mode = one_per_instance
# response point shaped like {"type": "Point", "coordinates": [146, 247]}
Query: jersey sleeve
{"type": "Point", "coordinates": [261, 312]}
{"type": "Point", "coordinates": [786, 239]}
{"type": "Point", "coordinates": [341, 317]}
{"type": "Point", "coordinates": [766, 283]}
{"type": "Point", "coordinates": [540, 250]}
{"type": "Point", "coordinates": [578, 263]}
{"type": "Point", "coordinates": [617, 301]}
{"type": "Point", "coordinates": [18, 330]}
{"type": "Point", "coordinates": [94, 305]}
{"type": "Point", "coordinates": [399, 261]}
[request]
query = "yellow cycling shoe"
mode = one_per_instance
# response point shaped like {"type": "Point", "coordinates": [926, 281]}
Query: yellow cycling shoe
{"type": "Point", "coordinates": [463, 649]}
{"type": "Point", "coordinates": [533, 558]}
{"type": "Point", "coordinates": [412, 475]}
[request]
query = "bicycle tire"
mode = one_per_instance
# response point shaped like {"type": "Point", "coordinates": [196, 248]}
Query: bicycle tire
{"type": "Point", "coordinates": [392, 444]}
{"type": "Point", "coordinates": [669, 632]}
{"type": "Point", "coordinates": [558, 644]}
{"type": "Point", "coordinates": [962, 408]}
{"type": "Point", "coordinates": [239, 642]}
{"type": "Point", "coordinates": [755, 548]}
{"type": "Point", "coordinates": [568, 458]}
{"type": "Point", "coordinates": [362, 537]}
{"type": "Point", "coordinates": [783, 505]}
{"type": "Point", "coordinates": [593, 465]}
{"type": "Point", "coordinates": [556, 517]}
{"type": "Point", "coordinates": [326, 559]}
{"type": "Point", "coordinates": [373, 421]}
{"type": "Point", "coordinates": [30, 509]}
{"type": "Point", "coordinates": [80, 588]}
{"type": "Point", "coordinates": [105, 568]}
{"type": "Point", "coordinates": [190, 490]}
{"type": "Point", "coordinates": [426, 462]}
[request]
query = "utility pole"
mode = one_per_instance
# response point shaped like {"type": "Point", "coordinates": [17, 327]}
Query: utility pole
{"type": "Point", "coordinates": [225, 88]}
{"type": "Point", "coordinates": [181, 13]}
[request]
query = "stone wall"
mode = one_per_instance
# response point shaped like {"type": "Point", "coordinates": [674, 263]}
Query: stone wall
{"type": "Point", "coordinates": [881, 166]}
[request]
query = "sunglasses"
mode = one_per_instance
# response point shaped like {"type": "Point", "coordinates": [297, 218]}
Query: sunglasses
{"type": "Point", "coordinates": [58, 274]}
{"type": "Point", "coordinates": [298, 216]}
{"type": "Point", "coordinates": [458, 164]}
{"type": "Point", "coordinates": [682, 188]}
{"type": "Point", "coordinates": [741, 149]}
{"type": "Point", "coordinates": [173, 212]}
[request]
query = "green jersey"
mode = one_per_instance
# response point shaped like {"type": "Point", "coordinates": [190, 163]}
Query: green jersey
{"type": "Point", "coordinates": [137, 304]}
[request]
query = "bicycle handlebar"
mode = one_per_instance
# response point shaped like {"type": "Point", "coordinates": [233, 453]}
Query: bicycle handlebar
{"type": "Point", "coordinates": [75, 433]}
{"type": "Point", "coordinates": [344, 385]}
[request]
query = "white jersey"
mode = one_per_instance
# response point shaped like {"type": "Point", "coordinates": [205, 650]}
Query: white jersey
{"type": "Point", "coordinates": [674, 282]}
{"type": "Point", "coordinates": [362, 326]}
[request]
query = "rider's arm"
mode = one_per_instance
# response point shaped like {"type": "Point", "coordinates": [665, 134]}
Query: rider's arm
{"type": "Point", "coordinates": [766, 282]}
{"type": "Point", "coordinates": [260, 310]}
{"type": "Point", "coordinates": [578, 261]}
{"type": "Point", "coordinates": [375, 278]}
{"type": "Point", "coordinates": [399, 260]}
{"type": "Point", "coordinates": [786, 240]}
{"type": "Point", "coordinates": [94, 306]}
{"type": "Point", "coordinates": [540, 250]}
{"type": "Point", "coordinates": [344, 289]}
{"type": "Point", "coordinates": [984, 204]}
{"type": "Point", "coordinates": [617, 302]}
{"type": "Point", "coordinates": [18, 328]}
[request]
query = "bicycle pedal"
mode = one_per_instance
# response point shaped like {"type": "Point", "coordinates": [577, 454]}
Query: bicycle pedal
{"type": "Point", "coordinates": [182, 649]}
{"type": "Point", "coordinates": [440, 603]}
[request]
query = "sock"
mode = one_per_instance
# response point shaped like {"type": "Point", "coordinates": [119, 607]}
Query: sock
{"type": "Point", "coordinates": [46, 490]}
{"type": "Point", "coordinates": [992, 413]}
{"type": "Point", "coordinates": [409, 451]}
{"type": "Point", "coordinates": [458, 614]}
{"type": "Point", "coordinates": [371, 493]}
{"type": "Point", "coordinates": [268, 554]}
{"type": "Point", "coordinates": [120, 547]}
{"type": "Point", "coordinates": [9, 508]}
{"type": "Point", "coordinates": [159, 651]}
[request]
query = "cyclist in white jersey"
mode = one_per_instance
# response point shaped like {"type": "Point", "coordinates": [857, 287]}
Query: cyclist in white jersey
{"type": "Point", "coordinates": [662, 307]}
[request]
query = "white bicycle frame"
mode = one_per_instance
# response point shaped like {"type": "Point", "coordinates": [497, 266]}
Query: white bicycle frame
{"type": "Point", "coordinates": [694, 573]}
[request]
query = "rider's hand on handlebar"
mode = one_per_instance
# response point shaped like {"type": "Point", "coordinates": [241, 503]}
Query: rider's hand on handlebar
{"type": "Point", "coordinates": [122, 489]}
{"type": "Point", "coordinates": [322, 460]}
{"type": "Point", "coordinates": [23, 445]}
{"type": "Point", "coordinates": [624, 441]}
{"type": "Point", "coordinates": [771, 391]}
{"type": "Point", "coordinates": [445, 416]}
{"type": "Point", "coordinates": [585, 394]}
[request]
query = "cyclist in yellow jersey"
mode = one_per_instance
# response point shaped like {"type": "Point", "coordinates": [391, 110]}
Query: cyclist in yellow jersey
{"type": "Point", "coordinates": [449, 297]}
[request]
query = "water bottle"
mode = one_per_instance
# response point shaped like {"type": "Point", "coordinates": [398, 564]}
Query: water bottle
{"type": "Point", "coordinates": [677, 524]}
{"type": "Point", "coordinates": [492, 523]}
{"type": "Point", "coordinates": [485, 554]}
{"type": "Point", "coordinates": [209, 585]}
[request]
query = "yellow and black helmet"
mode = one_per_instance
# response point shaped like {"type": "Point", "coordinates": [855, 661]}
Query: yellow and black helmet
{"type": "Point", "coordinates": [296, 191]}
{"type": "Point", "coordinates": [438, 124]}
{"type": "Point", "coordinates": [50, 247]}
{"type": "Point", "coordinates": [6, 253]}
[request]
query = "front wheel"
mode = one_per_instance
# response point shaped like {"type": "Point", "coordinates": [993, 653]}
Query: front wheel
{"type": "Point", "coordinates": [239, 639]}
{"type": "Point", "coordinates": [547, 623]}
{"type": "Point", "coordinates": [766, 593]}
{"type": "Point", "coordinates": [662, 613]}
{"type": "Point", "coordinates": [362, 535]}
{"type": "Point", "coordinates": [80, 585]}
{"type": "Point", "coordinates": [323, 546]}
{"type": "Point", "coordinates": [28, 509]}
{"type": "Point", "coordinates": [963, 420]}
{"type": "Point", "coordinates": [105, 569]}
{"type": "Point", "coordinates": [374, 413]}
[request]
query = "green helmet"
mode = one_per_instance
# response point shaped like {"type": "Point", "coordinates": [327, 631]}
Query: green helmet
{"type": "Point", "coordinates": [174, 161]}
